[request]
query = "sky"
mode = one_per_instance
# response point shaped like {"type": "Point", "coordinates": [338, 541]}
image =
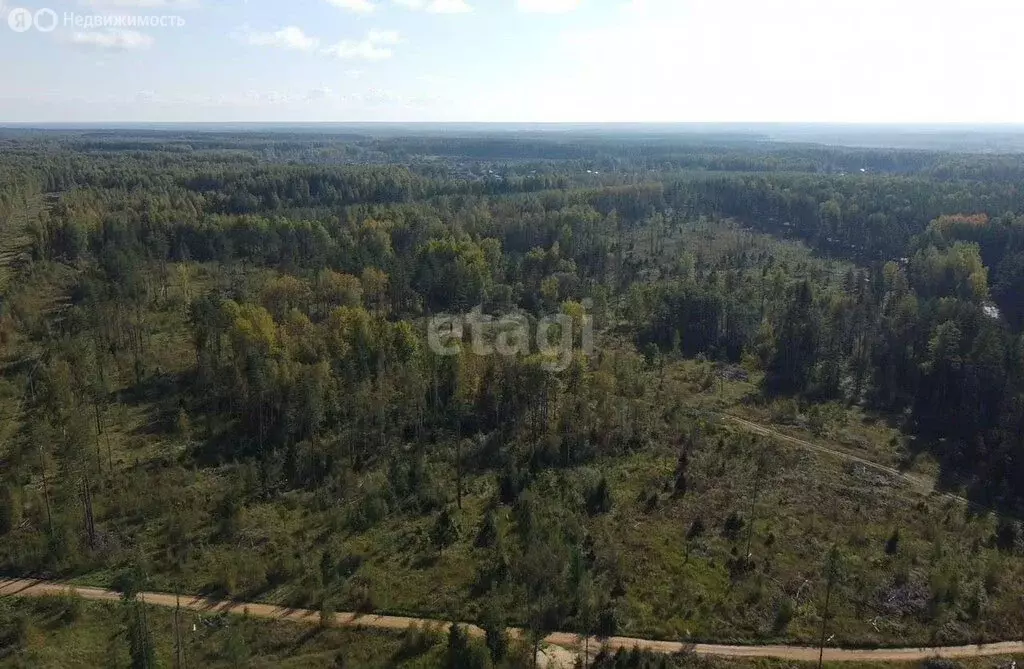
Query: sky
{"type": "Point", "coordinates": [832, 61]}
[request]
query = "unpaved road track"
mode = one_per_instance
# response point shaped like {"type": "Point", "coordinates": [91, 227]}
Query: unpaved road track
{"type": "Point", "coordinates": [922, 484]}
{"type": "Point", "coordinates": [31, 588]}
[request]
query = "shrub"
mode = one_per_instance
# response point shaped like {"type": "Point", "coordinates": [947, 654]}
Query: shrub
{"type": "Point", "coordinates": [488, 533]}
{"type": "Point", "coordinates": [1006, 535]}
{"type": "Point", "coordinates": [511, 483]}
{"type": "Point", "coordinates": [445, 531]}
{"type": "Point", "coordinates": [10, 509]}
{"type": "Point", "coordinates": [225, 575]}
{"type": "Point", "coordinates": [369, 511]}
{"type": "Point", "coordinates": [599, 498]}
{"type": "Point", "coordinates": [941, 663]}
{"type": "Point", "coordinates": [651, 502]}
{"type": "Point", "coordinates": [495, 633]}
{"type": "Point", "coordinates": [417, 641]}
{"type": "Point", "coordinates": [680, 486]}
{"type": "Point", "coordinates": [65, 607]}
{"type": "Point", "coordinates": [350, 564]}
{"type": "Point", "coordinates": [362, 597]}
{"type": "Point", "coordinates": [14, 627]}
{"type": "Point", "coordinates": [784, 614]}
{"type": "Point", "coordinates": [326, 611]}
{"type": "Point", "coordinates": [892, 546]}
{"type": "Point", "coordinates": [229, 515]}
{"type": "Point", "coordinates": [607, 621]}
{"type": "Point", "coordinates": [462, 653]}
{"type": "Point", "coordinates": [733, 526]}
{"type": "Point", "coordinates": [235, 649]}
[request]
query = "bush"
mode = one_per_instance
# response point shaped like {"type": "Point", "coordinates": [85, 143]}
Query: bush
{"type": "Point", "coordinates": [651, 503]}
{"type": "Point", "coordinates": [333, 568]}
{"type": "Point", "coordinates": [350, 564]}
{"type": "Point", "coordinates": [1006, 535]}
{"type": "Point", "coordinates": [370, 510]}
{"type": "Point", "coordinates": [10, 510]}
{"type": "Point", "coordinates": [784, 614]}
{"type": "Point", "coordinates": [892, 546]}
{"type": "Point", "coordinates": [785, 411]}
{"type": "Point", "coordinates": [73, 606]}
{"type": "Point", "coordinates": [328, 564]}
{"type": "Point", "coordinates": [495, 633]}
{"type": "Point", "coordinates": [488, 534]}
{"type": "Point", "coordinates": [225, 575]}
{"type": "Point", "coordinates": [680, 486]}
{"type": "Point", "coordinates": [607, 621]}
{"type": "Point", "coordinates": [326, 611]}
{"type": "Point", "coordinates": [511, 483]}
{"type": "Point", "coordinates": [229, 515]}
{"type": "Point", "coordinates": [599, 498]}
{"type": "Point", "coordinates": [445, 531]}
{"type": "Point", "coordinates": [462, 653]}
{"type": "Point", "coordinates": [362, 597]}
{"type": "Point", "coordinates": [418, 640]}
{"type": "Point", "coordinates": [941, 663]}
{"type": "Point", "coordinates": [130, 581]}
{"type": "Point", "coordinates": [66, 607]}
{"type": "Point", "coordinates": [235, 650]}
{"type": "Point", "coordinates": [14, 627]}
{"type": "Point", "coordinates": [733, 526]}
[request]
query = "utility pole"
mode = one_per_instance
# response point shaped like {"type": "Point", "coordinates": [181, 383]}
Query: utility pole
{"type": "Point", "coordinates": [90, 521]}
{"type": "Point", "coordinates": [141, 603]}
{"type": "Point", "coordinates": [758, 472]}
{"type": "Point", "coordinates": [46, 492]}
{"type": "Point", "coordinates": [458, 469]}
{"type": "Point", "coordinates": [177, 631]}
{"type": "Point", "coordinates": [831, 571]}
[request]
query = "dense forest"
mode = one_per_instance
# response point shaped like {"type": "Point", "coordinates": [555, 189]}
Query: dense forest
{"type": "Point", "coordinates": [217, 375]}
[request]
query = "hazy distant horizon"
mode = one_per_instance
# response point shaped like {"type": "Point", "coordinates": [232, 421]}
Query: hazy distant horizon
{"type": "Point", "coordinates": [963, 137]}
{"type": "Point", "coordinates": [697, 126]}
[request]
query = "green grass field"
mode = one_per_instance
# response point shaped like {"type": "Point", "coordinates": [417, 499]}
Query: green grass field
{"type": "Point", "coordinates": [915, 569]}
{"type": "Point", "coordinates": [943, 581]}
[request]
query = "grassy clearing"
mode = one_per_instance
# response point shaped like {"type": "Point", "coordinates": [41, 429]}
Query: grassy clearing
{"type": "Point", "coordinates": [942, 580]}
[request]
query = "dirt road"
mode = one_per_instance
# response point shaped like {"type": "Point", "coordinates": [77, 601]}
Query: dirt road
{"type": "Point", "coordinates": [922, 484]}
{"type": "Point", "coordinates": [573, 642]}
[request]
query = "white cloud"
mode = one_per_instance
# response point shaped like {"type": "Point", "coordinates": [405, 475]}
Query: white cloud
{"type": "Point", "coordinates": [321, 93]}
{"type": "Point", "coordinates": [548, 6]}
{"type": "Point", "coordinates": [434, 80]}
{"type": "Point", "coordinates": [361, 6]}
{"type": "Point", "coordinates": [375, 46]}
{"type": "Point", "coordinates": [449, 7]}
{"type": "Point", "coordinates": [113, 39]}
{"type": "Point", "coordinates": [436, 6]}
{"type": "Point", "coordinates": [290, 37]}
{"type": "Point", "coordinates": [141, 4]}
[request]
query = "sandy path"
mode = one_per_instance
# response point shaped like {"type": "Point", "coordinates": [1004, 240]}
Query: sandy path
{"type": "Point", "coordinates": [922, 484]}
{"type": "Point", "coordinates": [573, 642]}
